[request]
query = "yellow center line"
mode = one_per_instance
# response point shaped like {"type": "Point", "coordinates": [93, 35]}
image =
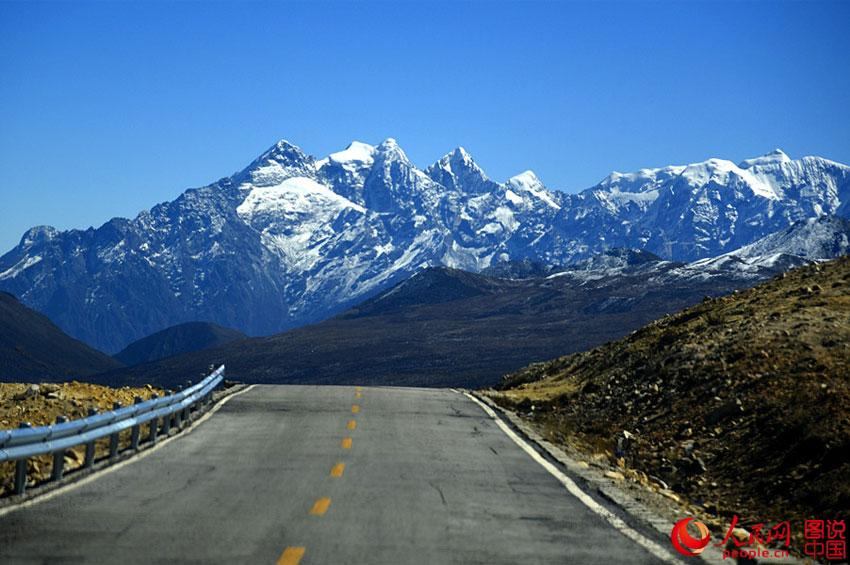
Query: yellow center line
{"type": "Point", "coordinates": [355, 409]}
{"type": "Point", "coordinates": [291, 556]}
{"type": "Point", "coordinates": [352, 425]}
{"type": "Point", "coordinates": [321, 506]}
{"type": "Point", "coordinates": [358, 395]}
{"type": "Point", "coordinates": [346, 443]}
{"type": "Point", "coordinates": [337, 470]}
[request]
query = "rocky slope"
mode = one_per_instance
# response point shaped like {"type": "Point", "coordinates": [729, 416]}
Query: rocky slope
{"type": "Point", "coordinates": [740, 403]}
{"type": "Point", "coordinates": [292, 240]}
{"type": "Point", "coordinates": [32, 347]}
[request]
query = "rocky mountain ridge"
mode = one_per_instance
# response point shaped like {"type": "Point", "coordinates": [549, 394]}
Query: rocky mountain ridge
{"type": "Point", "coordinates": [291, 239]}
{"type": "Point", "coordinates": [448, 327]}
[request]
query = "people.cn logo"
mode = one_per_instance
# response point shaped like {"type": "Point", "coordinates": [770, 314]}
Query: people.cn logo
{"type": "Point", "coordinates": [684, 542]}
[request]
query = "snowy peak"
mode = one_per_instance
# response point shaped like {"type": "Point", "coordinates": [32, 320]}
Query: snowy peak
{"type": "Point", "coordinates": [528, 183]}
{"type": "Point", "coordinates": [721, 172]}
{"type": "Point", "coordinates": [699, 173]}
{"type": "Point", "coordinates": [458, 171]}
{"type": "Point", "coordinates": [390, 151]}
{"type": "Point", "coordinates": [459, 153]}
{"type": "Point", "coordinates": [752, 177]}
{"type": "Point", "coordinates": [777, 156]}
{"type": "Point", "coordinates": [458, 159]}
{"type": "Point", "coordinates": [356, 152]}
{"type": "Point", "coordinates": [356, 156]}
{"type": "Point", "coordinates": [281, 161]}
{"type": "Point", "coordinates": [345, 172]}
{"type": "Point", "coordinates": [643, 180]}
{"type": "Point", "coordinates": [38, 234]}
{"type": "Point", "coordinates": [285, 153]}
{"type": "Point", "coordinates": [525, 181]}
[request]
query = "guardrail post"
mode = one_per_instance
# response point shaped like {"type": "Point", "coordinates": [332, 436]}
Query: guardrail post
{"type": "Point", "coordinates": [178, 420]}
{"type": "Point", "coordinates": [135, 431]}
{"type": "Point", "coordinates": [20, 476]}
{"type": "Point", "coordinates": [166, 424]}
{"type": "Point", "coordinates": [21, 469]}
{"type": "Point", "coordinates": [58, 457]}
{"type": "Point", "coordinates": [187, 412]}
{"type": "Point", "coordinates": [154, 424]}
{"type": "Point", "coordinates": [113, 438]}
{"type": "Point", "coordinates": [89, 460]}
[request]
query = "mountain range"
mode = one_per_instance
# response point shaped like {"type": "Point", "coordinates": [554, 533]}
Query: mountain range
{"type": "Point", "coordinates": [292, 240]}
{"type": "Point", "coordinates": [447, 327]}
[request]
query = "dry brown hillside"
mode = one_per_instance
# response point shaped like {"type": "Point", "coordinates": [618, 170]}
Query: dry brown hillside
{"type": "Point", "coordinates": [741, 404]}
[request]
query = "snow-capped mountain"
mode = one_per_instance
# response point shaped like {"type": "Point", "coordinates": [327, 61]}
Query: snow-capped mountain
{"type": "Point", "coordinates": [706, 209]}
{"type": "Point", "coordinates": [814, 239]}
{"type": "Point", "coordinates": [291, 239]}
{"type": "Point", "coordinates": [807, 241]}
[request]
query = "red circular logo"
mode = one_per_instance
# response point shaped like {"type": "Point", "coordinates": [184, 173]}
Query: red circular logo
{"type": "Point", "coordinates": [684, 542]}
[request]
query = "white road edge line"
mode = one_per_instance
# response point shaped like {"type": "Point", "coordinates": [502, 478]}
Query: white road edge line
{"type": "Point", "coordinates": [106, 470]}
{"type": "Point", "coordinates": [615, 521]}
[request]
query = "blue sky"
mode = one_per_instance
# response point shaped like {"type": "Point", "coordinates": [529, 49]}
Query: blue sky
{"type": "Point", "coordinates": [107, 109]}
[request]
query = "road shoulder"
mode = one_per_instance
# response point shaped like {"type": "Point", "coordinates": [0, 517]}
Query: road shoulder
{"type": "Point", "coordinates": [639, 507]}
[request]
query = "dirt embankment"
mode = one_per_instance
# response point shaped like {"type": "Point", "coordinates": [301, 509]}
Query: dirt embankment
{"type": "Point", "coordinates": [40, 405]}
{"type": "Point", "coordinates": [740, 405]}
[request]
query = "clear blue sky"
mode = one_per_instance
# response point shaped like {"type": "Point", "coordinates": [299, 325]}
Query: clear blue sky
{"type": "Point", "coordinates": [107, 109]}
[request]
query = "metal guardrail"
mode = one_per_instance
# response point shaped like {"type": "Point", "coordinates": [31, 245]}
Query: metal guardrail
{"type": "Point", "coordinates": [20, 444]}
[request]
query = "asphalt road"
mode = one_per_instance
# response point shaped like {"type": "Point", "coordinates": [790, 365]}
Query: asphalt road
{"type": "Point", "coordinates": [283, 474]}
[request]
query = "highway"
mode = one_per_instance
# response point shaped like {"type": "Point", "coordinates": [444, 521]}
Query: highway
{"type": "Point", "coordinates": [308, 474]}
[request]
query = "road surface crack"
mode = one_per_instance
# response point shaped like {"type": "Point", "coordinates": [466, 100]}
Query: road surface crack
{"type": "Point", "coordinates": [439, 490]}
